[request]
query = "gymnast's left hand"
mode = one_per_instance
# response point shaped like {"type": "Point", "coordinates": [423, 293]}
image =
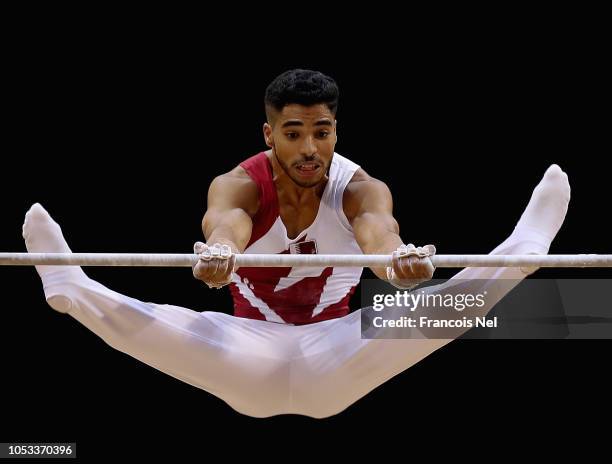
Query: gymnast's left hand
{"type": "Point", "coordinates": [215, 264]}
{"type": "Point", "coordinates": [411, 266]}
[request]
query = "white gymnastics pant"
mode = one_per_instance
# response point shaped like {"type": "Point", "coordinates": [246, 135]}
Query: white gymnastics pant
{"type": "Point", "coordinates": [263, 368]}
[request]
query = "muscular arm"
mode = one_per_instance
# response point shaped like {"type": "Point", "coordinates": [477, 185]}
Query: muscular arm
{"type": "Point", "coordinates": [368, 205]}
{"type": "Point", "coordinates": [232, 201]}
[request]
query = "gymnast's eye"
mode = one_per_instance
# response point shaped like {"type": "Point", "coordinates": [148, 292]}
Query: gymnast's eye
{"type": "Point", "coordinates": [292, 135]}
{"type": "Point", "coordinates": [323, 134]}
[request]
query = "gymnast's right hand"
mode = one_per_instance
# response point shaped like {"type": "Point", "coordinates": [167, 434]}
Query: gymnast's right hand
{"type": "Point", "coordinates": [215, 264]}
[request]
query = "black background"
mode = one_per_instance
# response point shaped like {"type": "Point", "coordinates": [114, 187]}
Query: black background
{"type": "Point", "coordinates": [119, 140]}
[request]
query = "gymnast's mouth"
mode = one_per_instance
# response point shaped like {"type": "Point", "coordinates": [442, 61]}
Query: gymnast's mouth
{"type": "Point", "coordinates": [308, 169]}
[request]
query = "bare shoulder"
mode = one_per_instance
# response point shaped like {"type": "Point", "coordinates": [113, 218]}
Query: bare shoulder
{"type": "Point", "coordinates": [361, 190]}
{"type": "Point", "coordinates": [363, 184]}
{"type": "Point", "coordinates": [234, 189]}
{"type": "Point", "coordinates": [239, 173]}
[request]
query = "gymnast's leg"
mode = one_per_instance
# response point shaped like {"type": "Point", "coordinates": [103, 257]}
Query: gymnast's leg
{"type": "Point", "coordinates": [243, 362]}
{"type": "Point", "coordinates": [337, 367]}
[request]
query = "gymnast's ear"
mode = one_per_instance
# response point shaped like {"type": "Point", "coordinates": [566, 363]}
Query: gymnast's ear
{"type": "Point", "coordinates": [268, 137]}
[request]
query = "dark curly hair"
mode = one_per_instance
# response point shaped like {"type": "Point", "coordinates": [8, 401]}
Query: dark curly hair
{"type": "Point", "coordinates": [303, 87]}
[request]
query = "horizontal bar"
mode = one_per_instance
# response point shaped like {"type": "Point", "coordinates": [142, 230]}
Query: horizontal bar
{"type": "Point", "coordinates": [286, 260]}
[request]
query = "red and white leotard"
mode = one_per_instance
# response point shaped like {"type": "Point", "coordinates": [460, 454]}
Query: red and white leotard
{"type": "Point", "coordinates": [297, 295]}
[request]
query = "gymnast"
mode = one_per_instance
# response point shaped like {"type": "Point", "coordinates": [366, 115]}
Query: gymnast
{"type": "Point", "coordinates": [292, 346]}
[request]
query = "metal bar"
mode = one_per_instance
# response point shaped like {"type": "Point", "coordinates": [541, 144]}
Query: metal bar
{"type": "Point", "coordinates": [287, 260]}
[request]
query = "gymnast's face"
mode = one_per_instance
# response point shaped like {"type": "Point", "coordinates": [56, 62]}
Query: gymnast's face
{"type": "Point", "coordinates": [302, 139]}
